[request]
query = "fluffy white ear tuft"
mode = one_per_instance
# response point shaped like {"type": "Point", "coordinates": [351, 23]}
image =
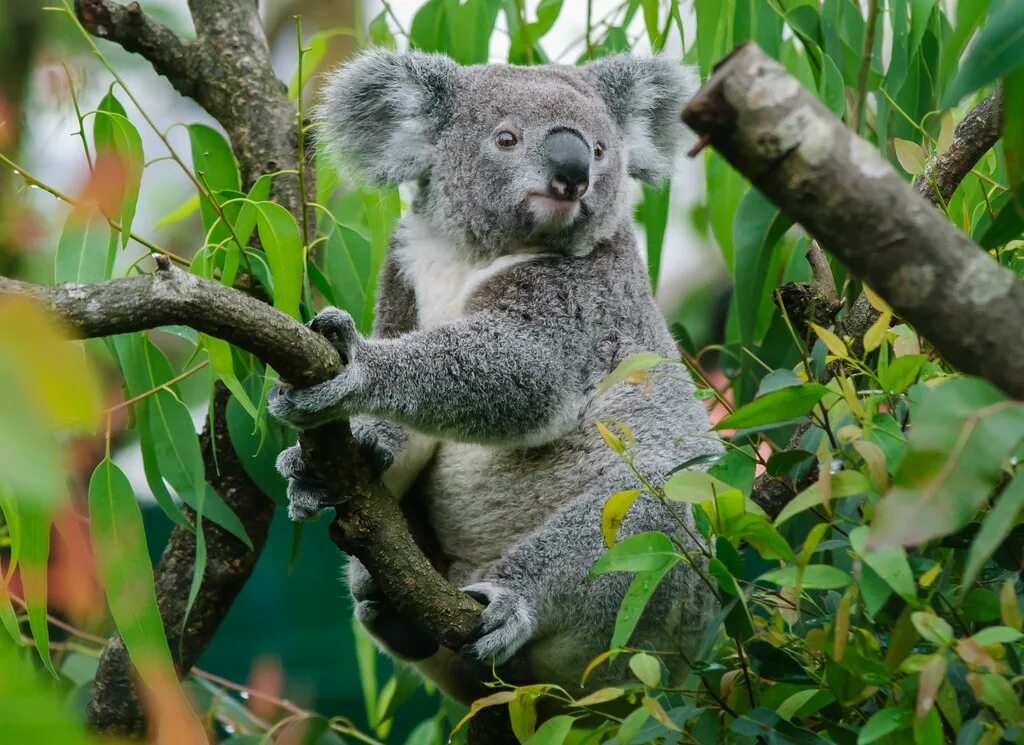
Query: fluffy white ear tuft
{"type": "Point", "coordinates": [646, 96]}
{"type": "Point", "coordinates": [382, 111]}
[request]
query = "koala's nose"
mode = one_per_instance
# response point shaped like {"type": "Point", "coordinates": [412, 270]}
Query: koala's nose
{"type": "Point", "coordinates": [568, 164]}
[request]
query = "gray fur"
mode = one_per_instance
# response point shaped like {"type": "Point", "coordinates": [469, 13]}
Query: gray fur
{"type": "Point", "coordinates": [504, 324]}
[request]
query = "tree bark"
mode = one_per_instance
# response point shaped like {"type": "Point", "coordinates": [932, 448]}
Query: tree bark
{"type": "Point", "coordinates": [838, 187]}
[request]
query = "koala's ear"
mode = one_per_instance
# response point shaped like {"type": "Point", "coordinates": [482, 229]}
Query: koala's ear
{"type": "Point", "coordinates": [382, 111]}
{"type": "Point", "coordinates": [646, 96]}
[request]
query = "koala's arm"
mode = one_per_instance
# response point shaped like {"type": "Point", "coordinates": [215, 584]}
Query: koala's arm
{"type": "Point", "coordinates": [394, 315]}
{"type": "Point", "coordinates": [512, 370]}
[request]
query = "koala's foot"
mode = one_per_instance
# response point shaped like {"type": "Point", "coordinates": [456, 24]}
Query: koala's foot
{"type": "Point", "coordinates": [402, 636]}
{"type": "Point", "coordinates": [306, 496]}
{"type": "Point", "coordinates": [318, 404]}
{"type": "Point", "coordinates": [506, 624]}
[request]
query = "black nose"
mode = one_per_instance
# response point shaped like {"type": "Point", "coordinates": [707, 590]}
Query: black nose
{"type": "Point", "coordinates": [568, 164]}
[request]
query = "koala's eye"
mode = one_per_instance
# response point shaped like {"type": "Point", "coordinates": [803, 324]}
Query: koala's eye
{"type": "Point", "coordinates": [599, 150]}
{"type": "Point", "coordinates": [506, 139]}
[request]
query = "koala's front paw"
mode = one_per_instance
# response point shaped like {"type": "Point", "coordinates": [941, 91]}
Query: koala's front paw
{"type": "Point", "coordinates": [339, 329]}
{"type": "Point", "coordinates": [318, 404]}
{"type": "Point", "coordinates": [306, 496]}
{"type": "Point", "coordinates": [506, 624]}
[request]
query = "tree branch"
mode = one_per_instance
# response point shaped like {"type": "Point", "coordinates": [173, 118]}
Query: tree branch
{"type": "Point", "coordinates": [369, 523]}
{"type": "Point", "coordinates": [826, 178]}
{"type": "Point", "coordinates": [129, 27]}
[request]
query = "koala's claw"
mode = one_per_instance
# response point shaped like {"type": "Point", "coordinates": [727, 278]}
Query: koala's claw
{"type": "Point", "coordinates": [506, 624]}
{"type": "Point", "coordinates": [339, 329]}
{"type": "Point", "coordinates": [305, 500]}
{"type": "Point", "coordinates": [306, 496]}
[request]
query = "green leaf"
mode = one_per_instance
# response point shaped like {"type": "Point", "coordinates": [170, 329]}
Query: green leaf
{"type": "Point", "coordinates": [655, 220]}
{"type": "Point", "coordinates": [758, 226]}
{"type": "Point", "coordinates": [882, 723]}
{"type": "Point", "coordinates": [997, 635]}
{"type": "Point", "coordinates": [553, 731]}
{"type": "Point", "coordinates": [844, 484]}
{"type": "Point", "coordinates": [997, 525]}
{"type": "Point", "coordinates": [122, 558]}
{"type": "Point", "coordinates": [648, 551]}
{"type": "Point", "coordinates": [932, 628]}
{"type": "Point", "coordinates": [998, 49]}
{"type": "Point", "coordinates": [183, 210]}
{"type": "Point", "coordinates": [34, 710]}
{"type": "Point", "coordinates": [638, 594]}
{"type": "Point", "coordinates": [778, 406]}
{"type": "Point", "coordinates": [35, 522]}
{"type": "Point", "coordinates": [963, 431]}
{"type": "Point", "coordinates": [82, 251]}
{"type": "Point", "coordinates": [968, 16]}
{"type": "Point", "coordinates": [380, 32]}
{"type": "Point", "coordinates": [694, 487]}
{"type": "Point", "coordinates": [282, 243]}
{"type": "Point", "coordinates": [1013, 126]}
{"type": "Point", "coordinates": [889, 563]}
{"type": "Point", "coordinates": [815, 577]}
{"type": "Point", "coordinates": [223, 363]}
{"type": "Point", "coordinates": [1008, 223]}
{"type": "Point", "coordinates": [901, 373]}
{"type": "Point", "coordinates": [215, 169]}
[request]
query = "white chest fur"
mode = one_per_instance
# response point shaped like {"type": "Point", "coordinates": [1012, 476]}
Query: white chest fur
{"type": "Point", "coordinates": [442, 276]}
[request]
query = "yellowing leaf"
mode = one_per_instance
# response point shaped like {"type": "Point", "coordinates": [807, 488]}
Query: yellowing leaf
{"type": "Point", "coordinates": [945, 133]}
{"type": "Point", "coordinates": [631, 368]}
{"type": "Point", "coordinates": [1009, 607]}
{"type": "Point", "coordinates": [657, 711]}
{"type": "Point", "coordinates": [874, 458]}
{"type": "Point", "coordinates": [610, 438]}
{"type": "Point", "coordinates": [910, 155]}
{"type": "Point", "coordinates": [646, 668]}
{"type": "Point", "coordinates": [50, 368]}
{"type": "Point", "coordinates": [495, 699]}
{"type": "Point", "coordinates": [600, 696]}
{"type": "Point", "coordinates": [932, 675]}
{"type": "Point", "coordinates": [875, 299]}
{"type": "Point", "coordinates": [835, 345]}
{"type": "Point", "coordinates": [841, 630]}
{"type": "Point", "coordinates": [614, 512]}
{"type": "Point", "coordinates": [875, 334]}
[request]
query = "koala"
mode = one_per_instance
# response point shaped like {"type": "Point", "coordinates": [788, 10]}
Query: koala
{"type": "Point", "coordinates": [513, 287]}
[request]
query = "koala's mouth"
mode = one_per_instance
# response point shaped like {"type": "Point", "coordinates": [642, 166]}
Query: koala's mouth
{"type": "Point", "coordinates": [551, 212]}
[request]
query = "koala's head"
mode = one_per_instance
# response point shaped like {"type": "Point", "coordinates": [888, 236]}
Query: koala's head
{"type": "Point", "coordinates": [509, 158]}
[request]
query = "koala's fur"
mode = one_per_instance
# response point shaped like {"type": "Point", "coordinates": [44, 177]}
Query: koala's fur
{"type": "Point", "coordinates": [496, 320]}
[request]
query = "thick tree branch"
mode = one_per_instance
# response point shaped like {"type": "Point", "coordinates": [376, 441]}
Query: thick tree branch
{"type": "Point", "coordinates": [369, 523]}
{"type": "Point", "coordinates": [823, 176]}
{"type": "Point", "coordinates": [974, 136]}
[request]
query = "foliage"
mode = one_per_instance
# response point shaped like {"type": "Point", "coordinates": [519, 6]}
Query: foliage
{"type": "Point", "coordinates": [881, 606]}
